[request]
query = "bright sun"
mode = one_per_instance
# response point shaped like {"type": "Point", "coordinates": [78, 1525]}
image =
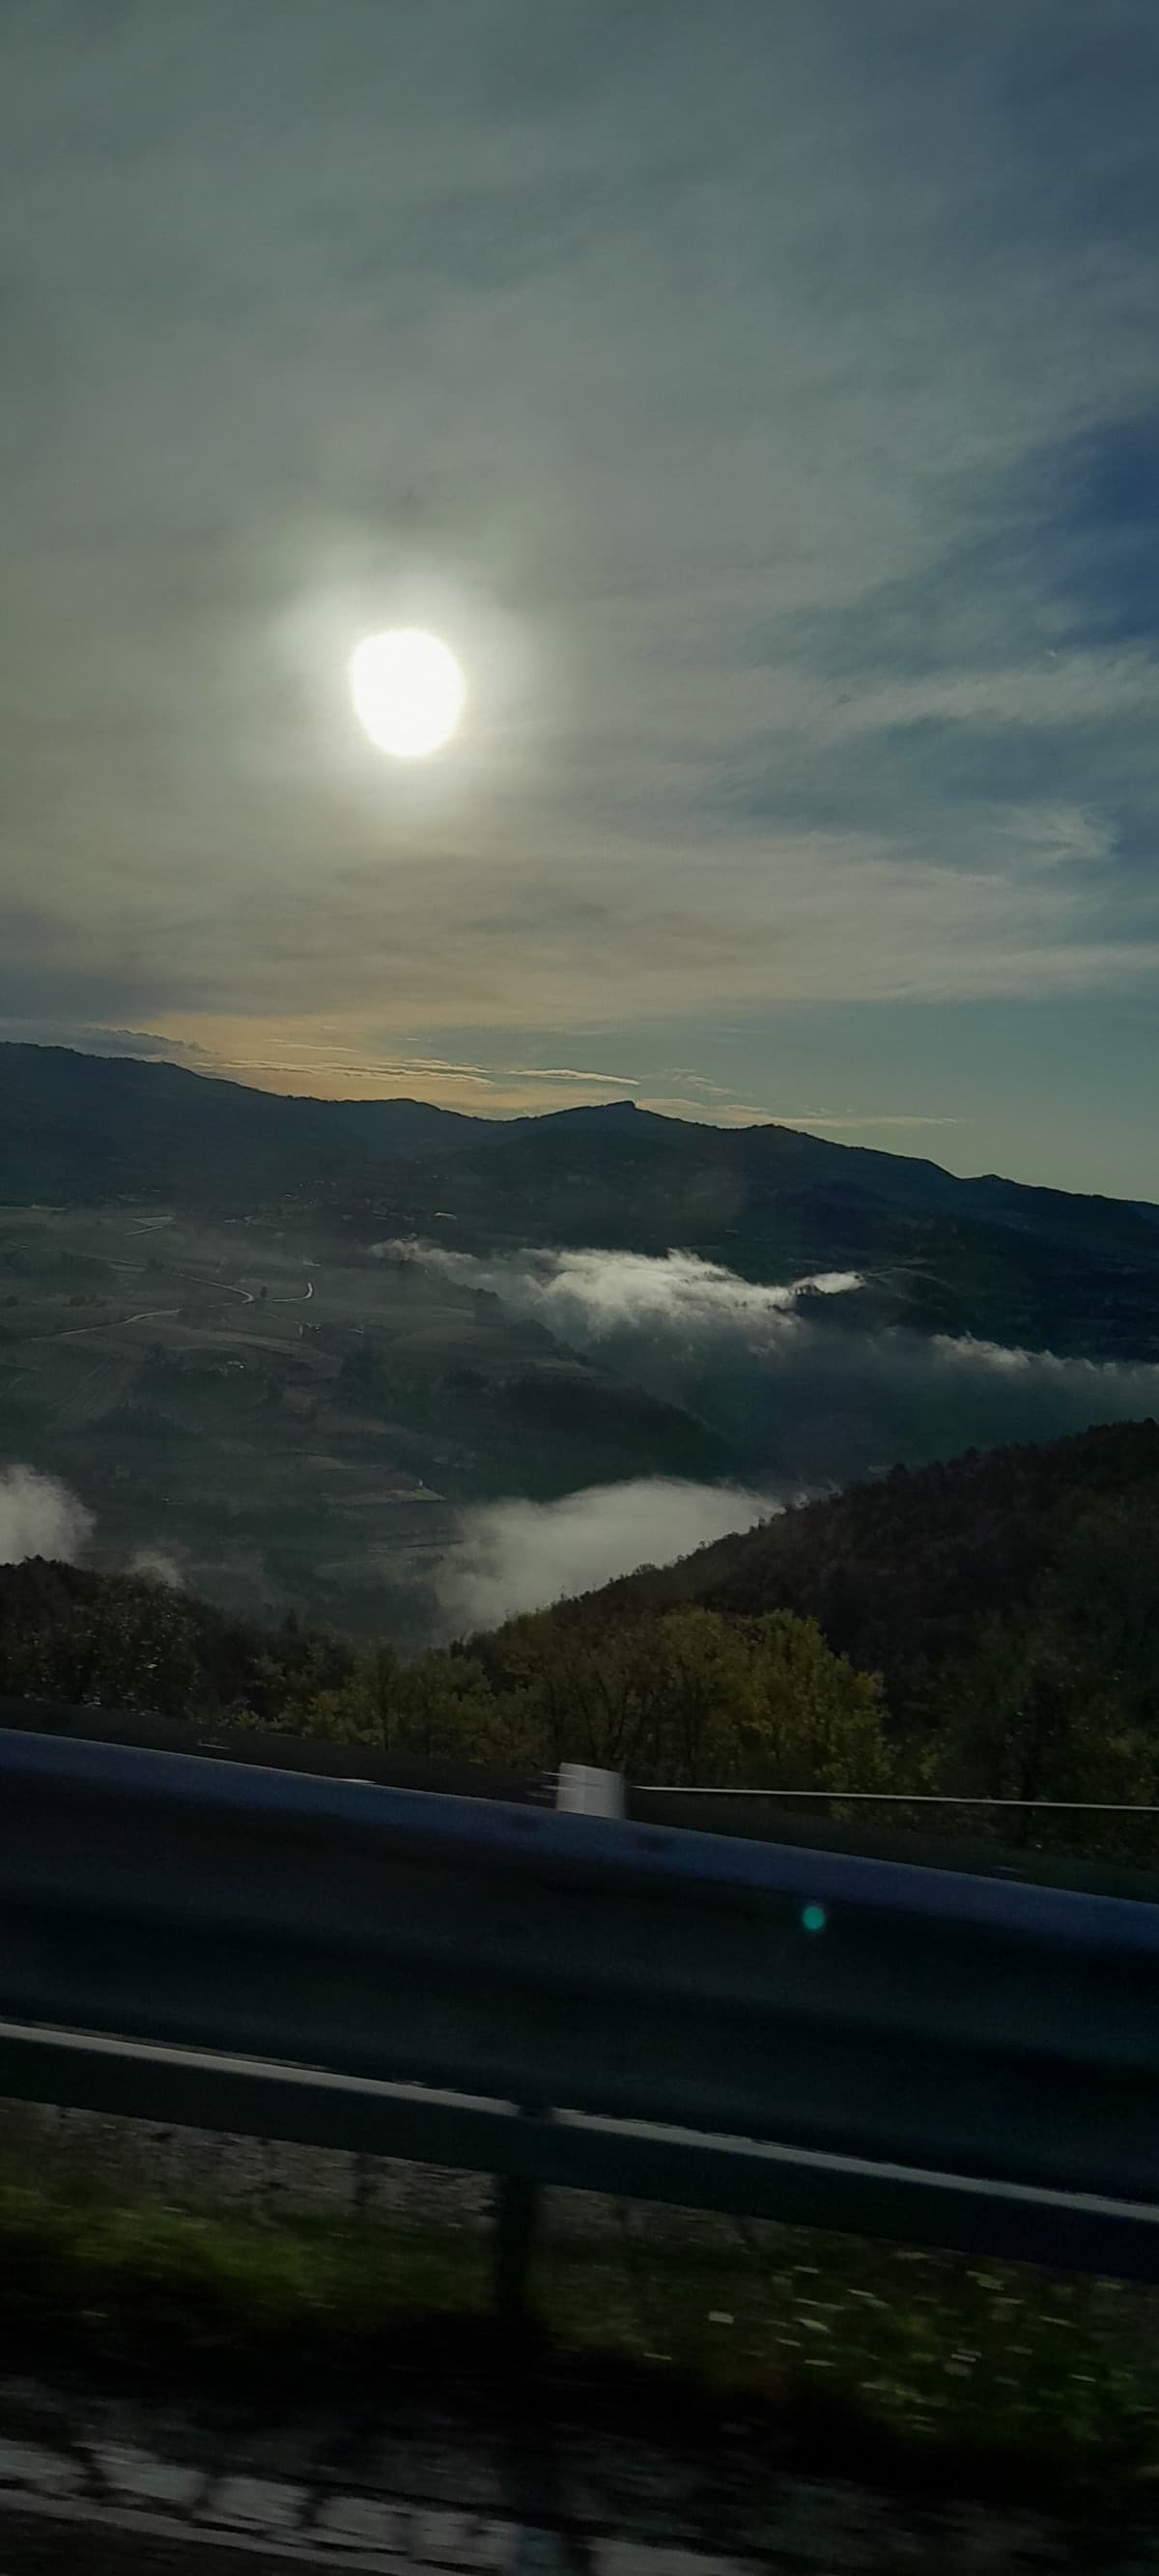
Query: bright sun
{"type": "Point", "coordinates": [408, 691]}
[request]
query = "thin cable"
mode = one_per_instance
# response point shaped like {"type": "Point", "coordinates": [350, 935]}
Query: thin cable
{"type": "Point", "coordinates": [899, 1798]}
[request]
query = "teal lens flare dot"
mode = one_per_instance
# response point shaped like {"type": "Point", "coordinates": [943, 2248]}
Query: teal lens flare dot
{"type": "Point", "coordinates": [814, 1918]}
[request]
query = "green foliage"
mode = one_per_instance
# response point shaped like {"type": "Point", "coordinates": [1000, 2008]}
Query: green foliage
{"type": "Point", "coordinates": [120, 1642]}
{"type": "Point", "coordinates": [1047, 2385]}
{"type": "Point", "coordinates": [1013, 1598]}
{"type": "Point", "coordinates": [906, 1574]}
{"type": "Point", "coordinates": [130, 1646]}
{"type": "Point", "coordinates": [163, 2289]}
{"type": "Point", "coordinates": [1064, 1702]}
{"type": "Point", "coordinates": [687, 1696]}
{"type": "Point", "coordinates": [693, 1698]}
{"type": "Point", "coordinates": [437, 1709]}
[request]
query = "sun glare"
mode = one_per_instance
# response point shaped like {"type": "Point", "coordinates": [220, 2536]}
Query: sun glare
{"type": "Point", "coordinates": [408, 691]}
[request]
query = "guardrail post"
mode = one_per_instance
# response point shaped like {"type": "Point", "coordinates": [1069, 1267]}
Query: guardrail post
{"type": "Point", "coordinates": [517, 2211]}
{"type": "Point", "coordinates": [581, 1790]}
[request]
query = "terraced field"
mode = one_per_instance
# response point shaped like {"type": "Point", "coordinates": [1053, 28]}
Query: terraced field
{"type": "Point", "coordinates": [288, 1424]}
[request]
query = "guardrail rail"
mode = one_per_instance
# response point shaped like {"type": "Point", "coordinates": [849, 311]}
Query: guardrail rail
{"type": "Point", "coordinates": [814, 2036]}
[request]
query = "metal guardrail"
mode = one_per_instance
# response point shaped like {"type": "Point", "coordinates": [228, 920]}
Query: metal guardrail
{"type": "Point", "coordinates": [218, 1739]}
{"type": "Point", "coordinates": [851, 2042]}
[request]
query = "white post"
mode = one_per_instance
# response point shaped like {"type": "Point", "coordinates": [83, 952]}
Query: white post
{"type": "Point", "coordinates": [585, 1791]}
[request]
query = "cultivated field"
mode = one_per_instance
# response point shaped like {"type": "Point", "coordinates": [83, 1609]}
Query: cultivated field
{"type": "Point", "coordinates": [289, 1423]}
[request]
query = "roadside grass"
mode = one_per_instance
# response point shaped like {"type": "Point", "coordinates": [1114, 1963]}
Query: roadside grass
{"type": "Point", "coordinates": [177, 2294]}
{"type": "Point", "coordinates": [837, 2353]}
{"type": "Point", "coordinates": [930, 2364]}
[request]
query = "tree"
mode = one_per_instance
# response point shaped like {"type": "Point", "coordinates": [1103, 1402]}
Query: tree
{"type": "Point", "coordinates": [129, 1646]}
{"type": "Point", "coordinates": [697, 1699]}
{"type": "Point", "coordinates": [819, 1723]}
{"type": "Point", "coordinates": [438, 1708]}
{"type": "Point", "coordinates": [1026, 1717]}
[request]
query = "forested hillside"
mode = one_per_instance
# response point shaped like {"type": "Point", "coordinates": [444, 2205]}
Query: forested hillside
{"type": "Point", "coordinates": [986, 1630]}
{"type": "Point", "coordinates": [904, 1572]}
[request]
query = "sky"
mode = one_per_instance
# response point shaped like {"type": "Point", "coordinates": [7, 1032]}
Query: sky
{"type": "Point", "coordinates": [761, 400]}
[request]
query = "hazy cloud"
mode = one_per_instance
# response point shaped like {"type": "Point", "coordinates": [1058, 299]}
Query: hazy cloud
{"type": "Point", "coordinates": [40, 1517]}
{"type": "Point", "coordinates": [156, 1565]}
{"type": "Point", "coordinates": [736, 1113]}
{"type": "Point", "coordinates": [763, 402]}
{"type": "Point", "coordinates": [521, 1556]}
{"type": "Point", "coordinates": [842, 1118]}
{"type": "Point", "coordinates": [568, 1073]}
{"type": "Point", "coordinates": [800, 1398]}
{"type": "Point", "coordinates": [146, 1044]}
{"type": "Point", "coordinates": [320, 1065]}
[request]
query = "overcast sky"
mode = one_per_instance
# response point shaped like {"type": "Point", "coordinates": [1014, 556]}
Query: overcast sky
{"type": "Point", "coordinates": [761, 398]}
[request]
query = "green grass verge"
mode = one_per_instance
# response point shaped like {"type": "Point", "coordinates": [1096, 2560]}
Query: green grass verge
{"type": "Point", "coordinates": [834, 2352]}
{"type": "Point", "coordinates": [247, 2303]}
{"type": "Point", "coordinates": [929, 2362]}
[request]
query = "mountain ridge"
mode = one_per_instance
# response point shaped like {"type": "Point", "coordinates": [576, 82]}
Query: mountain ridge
{"type": "Point", "coordinates": [401, 1110]}
{"type": "Point", "coordinates": [933, 1252]}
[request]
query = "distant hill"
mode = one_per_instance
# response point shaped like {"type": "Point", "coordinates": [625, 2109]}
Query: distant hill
{"type": "Point", "coordinates": [989, 1256]}
{"type": "Point", "coordinates": [76, 1129]}
{"type": "Point", "coordinates": [1009, 1264]}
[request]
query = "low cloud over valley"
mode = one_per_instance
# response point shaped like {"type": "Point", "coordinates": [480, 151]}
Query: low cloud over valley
{"type": "Point", "coordinates": [804, 1397]}
{"type": "Point", "coordinates": [520, 1556]}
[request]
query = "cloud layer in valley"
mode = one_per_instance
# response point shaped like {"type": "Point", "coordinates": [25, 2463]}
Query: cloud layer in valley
{"type": "Point", "coordinates": [585, 1295]}
{"type": "Point", "coordinates": [521, 1556]}
{"type": "Point", "coordinates": [40, 1517]}
{"type": "Point", "coordinates": [802, 1399]}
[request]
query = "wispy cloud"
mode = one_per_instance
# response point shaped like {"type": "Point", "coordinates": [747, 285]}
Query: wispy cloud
{"type": "Point", "coordinates": [594, 1292]}
{"type": "Point", "coordinates": [157, 1565]}
{"type": "Point", "coordinates": [765, 409]}
{"type": "Point", "coordinates": [569, 1073]}
{"type": "Point", "coordinates": [802, 1401]}
{"type": "Point", "coordinates": [723, 1112]}
{"type": "Point", "coordinates": [87, 1039]}
{"type": "Point", "coordinates": [508, 1091]}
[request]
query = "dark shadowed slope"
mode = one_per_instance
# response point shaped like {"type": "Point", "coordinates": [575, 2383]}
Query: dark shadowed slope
{"type": "Point", "coordinates": [77, 1129]}
{"type": "Point", "coordinates": [903, 1574]}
